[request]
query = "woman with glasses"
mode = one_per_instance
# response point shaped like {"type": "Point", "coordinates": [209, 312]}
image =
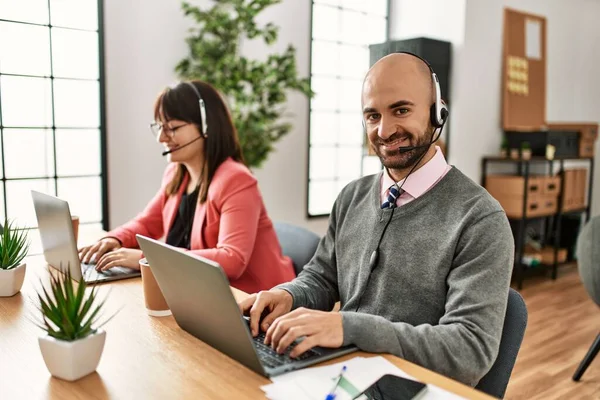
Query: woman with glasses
{"type": "Point", "coordinates": [209, 201]}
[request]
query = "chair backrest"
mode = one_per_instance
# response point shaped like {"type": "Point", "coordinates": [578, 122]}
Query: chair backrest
{"type": "Point", "coordinates": [588, 257]}
{"type": "Point", "coordinates": [297, 243]}
{"type": "Point", "coordinates": [496, 380]}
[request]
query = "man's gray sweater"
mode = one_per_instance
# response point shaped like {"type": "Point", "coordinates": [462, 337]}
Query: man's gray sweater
{"type": "Point", "coordinates": [438, 294]}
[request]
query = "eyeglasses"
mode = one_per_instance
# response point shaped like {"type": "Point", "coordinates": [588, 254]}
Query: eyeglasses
{"type": "Point", "coordinates": [157, 128]}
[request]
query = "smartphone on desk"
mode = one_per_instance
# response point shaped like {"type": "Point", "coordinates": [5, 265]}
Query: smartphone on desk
{"type": "Point", "coordinates": [391, 387]}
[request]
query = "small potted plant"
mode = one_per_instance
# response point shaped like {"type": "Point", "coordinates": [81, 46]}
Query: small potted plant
{"type": "Point", "coordinates": [13, 249]}
{"type": "Point", "coordinates": [74, 342]}
{"type": "Point", "coordinates": [504, 148]}
{"type": "Point", "coordinates": [525, 151]}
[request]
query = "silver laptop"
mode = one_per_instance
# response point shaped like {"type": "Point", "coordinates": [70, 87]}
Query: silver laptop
{"type": "Point", "coordinates": [198, 294]}
{"type": "Point", "coordinates": [58, 242]}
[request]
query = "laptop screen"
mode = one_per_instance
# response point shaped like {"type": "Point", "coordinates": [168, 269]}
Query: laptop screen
{"type": "Point", "coordinates": [56, 232]}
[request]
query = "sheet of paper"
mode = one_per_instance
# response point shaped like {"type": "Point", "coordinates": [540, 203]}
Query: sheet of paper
{"type": "Point", "coordinates": [361, 372]}
{"type": "Point", "coordinates": [533, 39]}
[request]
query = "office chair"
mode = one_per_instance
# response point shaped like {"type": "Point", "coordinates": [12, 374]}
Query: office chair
{"type": "Point", "coordinates": [588, 263]}
{"type": "Point", "coordinates": [496, 380]}
{"type": "Point", "coordinates": [297, 243]}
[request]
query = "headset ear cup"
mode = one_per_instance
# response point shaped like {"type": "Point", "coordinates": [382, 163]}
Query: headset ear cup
{"type": "Point", "coordinates": [444, 113]}
{"type": "Point", "coordinates": [433, 115]}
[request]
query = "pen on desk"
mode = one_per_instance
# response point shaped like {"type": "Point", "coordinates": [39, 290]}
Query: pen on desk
{"type": "Point", "coordinates": [331, 394]}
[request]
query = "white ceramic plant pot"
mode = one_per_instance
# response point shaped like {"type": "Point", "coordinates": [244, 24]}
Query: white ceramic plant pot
{"type": "Point", "coordinates": [11, 280]}
{"type": "Point", "coordinates": [72, 360]}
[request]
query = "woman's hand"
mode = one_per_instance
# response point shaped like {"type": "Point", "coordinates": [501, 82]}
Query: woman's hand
{"type": "Point", "coordinates": [122, 257]}
{"type": "Point", "coordinates": [94, 252]}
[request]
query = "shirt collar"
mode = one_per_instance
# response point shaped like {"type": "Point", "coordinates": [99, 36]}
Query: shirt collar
{"type": "Point", "coordinates": [420, 180]}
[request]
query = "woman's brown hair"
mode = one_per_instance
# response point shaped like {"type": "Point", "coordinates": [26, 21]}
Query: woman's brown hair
{"type": "Point", "coordinates": [221, 142]}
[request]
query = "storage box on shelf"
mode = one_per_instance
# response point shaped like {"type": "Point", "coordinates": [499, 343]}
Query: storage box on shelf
{"type": "Point", "coordinates": [529, 199]}
{"type": "Point", "coordinates": [575, 189]}
{"type": "Point", "coordinates": [546, 254]}
{"type": "Point", "coordinates": [509, 190]}
{"type": "Point", "coordinates": [587, 133]}
{"type": "Point", "coordinates": [586, 148]}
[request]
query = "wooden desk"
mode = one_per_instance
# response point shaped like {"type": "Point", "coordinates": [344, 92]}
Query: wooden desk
{"type": "Point", "coordinates": [144, 357]}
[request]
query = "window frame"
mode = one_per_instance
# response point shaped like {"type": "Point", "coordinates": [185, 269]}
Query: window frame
{"type": "Point", "coordinates": [53, 176]}
{"type": "Point", "coordinates": [310, 104]}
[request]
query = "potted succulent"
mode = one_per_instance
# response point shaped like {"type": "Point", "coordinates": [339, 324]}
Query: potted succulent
{"type": "Point", "coordinates": [74, 342]}
{"type": "Point", "coordinates": [504, 148]}
{"type": "Point", "coordinates": [525, 151]}
{"type": "Point", "coordinates": [13, 249]}
{"type": "Point", "coordinates": [514, 153]}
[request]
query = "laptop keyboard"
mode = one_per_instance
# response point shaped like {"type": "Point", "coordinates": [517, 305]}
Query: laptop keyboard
{"type": "Point", "coordinates": [272, 359]}
{"type": "Point", "coordinates": [90, 273]}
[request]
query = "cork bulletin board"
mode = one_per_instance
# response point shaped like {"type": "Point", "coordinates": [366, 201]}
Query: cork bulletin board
{"type": "Point", "coordinates": [523, 71]}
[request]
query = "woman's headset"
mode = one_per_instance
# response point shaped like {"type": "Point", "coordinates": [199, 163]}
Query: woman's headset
{"type": "Point", "coordinates": [204, 127]}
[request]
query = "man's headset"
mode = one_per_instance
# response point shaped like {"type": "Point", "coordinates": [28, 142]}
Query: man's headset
{"type": "Point", "coordinates": [438, 114]}
{"type": "Point", "coordinates": [204, 126]}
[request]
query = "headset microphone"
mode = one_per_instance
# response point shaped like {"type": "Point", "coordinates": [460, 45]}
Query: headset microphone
{"type": "Point", "coordinates": [164, 153]}
{"type": "Point", "coordinates": [441, 128]}
{"type": "Point", "coordinates": [411, 148]}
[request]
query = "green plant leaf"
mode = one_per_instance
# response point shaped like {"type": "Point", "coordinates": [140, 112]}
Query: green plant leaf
{"type": "Point", "coordinates": [14, 245]}
{"type": "Point", "coordinates": [256, 91]}
{"type": "Point", "coordinates": [86, 307]}
{"type": "Point", "coordinates": [49, 311]}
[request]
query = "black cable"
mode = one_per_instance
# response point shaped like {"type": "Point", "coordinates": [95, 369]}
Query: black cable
{"type": "Point", "coordinates": [375, 254]}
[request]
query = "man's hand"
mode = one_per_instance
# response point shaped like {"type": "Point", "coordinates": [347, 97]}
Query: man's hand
{"type": "Point", "coordinates": [320, 328]}
{"type": "Point", "coordinates": [274, 303]}
{"type": "Point", "coordinates": [122, 257]}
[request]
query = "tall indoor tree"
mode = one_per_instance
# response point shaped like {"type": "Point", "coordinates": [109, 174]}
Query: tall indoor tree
{"type": "Point", "coordinates": [255, 90]}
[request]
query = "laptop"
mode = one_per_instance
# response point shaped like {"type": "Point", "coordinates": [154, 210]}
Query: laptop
{"type": "Point", "coordinates": [58, 242]}
{"type": "Point", "coordinates": [197, 292]}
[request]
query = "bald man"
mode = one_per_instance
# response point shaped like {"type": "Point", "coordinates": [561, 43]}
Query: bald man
{"type": "Point", "coordinates": [419, 256]}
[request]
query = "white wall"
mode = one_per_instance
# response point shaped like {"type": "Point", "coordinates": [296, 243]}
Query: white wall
{"type": "Point", "coordinates": [283, 178]}
{"type": "Point", "coordinates": [436, 19]}
{"type": "Point", "coordinates": [573, 48]}
{"type": "Point", "coordinates": [474, 28]}
{"type": "Point", "coordinates": [144, 39]}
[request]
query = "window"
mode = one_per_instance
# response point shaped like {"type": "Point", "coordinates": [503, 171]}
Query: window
{"type": "Point", "coordinates": [51, 112]}
{"type": "Point", "coordinates": [342, 31]}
